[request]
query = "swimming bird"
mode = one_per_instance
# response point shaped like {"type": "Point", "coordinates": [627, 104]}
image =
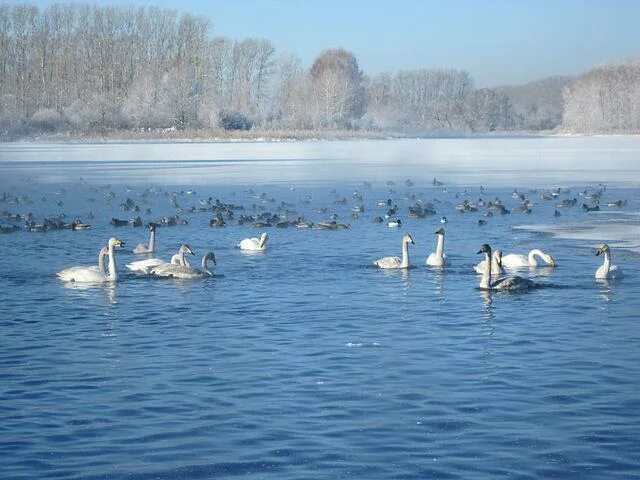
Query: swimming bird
{"type": "Point", "coordinates": [254, 244]}
{"type": "Point", "coordinates": [394, 223]}
{"type": "Point", "coordinates": [607, 270]}
{"type": "Point", "coordinates": [397, 262]}
{"type": "Point", "coordinates": [151, 247]}
{"type": "Point", "coordinates": [496, 264]}
{"type": "Point", "coordinates": [438, 258]}
{"type": "Point", "coordinates": [512, 283]}
{"type": "Point", "coordinates": [515, 260]}
{"type": "Point", "coordinates": [143, 266]}
{"type": "Point", "coordinates": [93, 274]}
{"type": "Point", "coordinates": [181, 271]}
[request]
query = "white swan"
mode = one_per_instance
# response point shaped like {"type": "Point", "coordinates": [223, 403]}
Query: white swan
{"type": "Point", "coordinates": [254, 244]}
{"type": "Point", "coordinates": [181, 271]}
{"type": "Point", "coordinates": [396, 262]}
{"type": "Point", "coordinates": [512, 284]}
{"type": "Point", "coordinates": [496, 264]}
{"type": "Point", "coordinates": [607, 270]}
{"type": "Point", "coordinates": [515, 260]}
{"type": "Point", "coordinates": [143, 266]}
{"type": "Point", "coordinates": [142, 248]}
{"type": "Point", "coordinates": [438, 258]}
{"type": "Point", "coordinates": [93, 274]}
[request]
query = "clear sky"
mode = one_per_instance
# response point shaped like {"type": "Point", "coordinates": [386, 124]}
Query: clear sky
{"type": "Point", "coordinates": [497, 41]}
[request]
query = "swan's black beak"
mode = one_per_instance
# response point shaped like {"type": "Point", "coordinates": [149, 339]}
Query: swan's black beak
{"type": "Point", "coordinates": [479, 251]}
{"type": "Point", "coordinates": [598, 252]}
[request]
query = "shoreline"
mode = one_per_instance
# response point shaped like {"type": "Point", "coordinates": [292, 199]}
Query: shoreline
{"type": "Point", "coordinates": [285, 137]}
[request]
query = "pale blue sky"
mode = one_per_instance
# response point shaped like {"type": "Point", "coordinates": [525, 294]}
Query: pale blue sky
{"type": "Point", "coordinates": [497, 41]}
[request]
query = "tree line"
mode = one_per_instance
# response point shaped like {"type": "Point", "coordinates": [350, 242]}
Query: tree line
{"type": "Point", "coordinates": [91, 68]}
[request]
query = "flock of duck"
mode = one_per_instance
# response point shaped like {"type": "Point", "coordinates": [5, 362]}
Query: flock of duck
{"type": "Point", "coordinates": [492, 268]}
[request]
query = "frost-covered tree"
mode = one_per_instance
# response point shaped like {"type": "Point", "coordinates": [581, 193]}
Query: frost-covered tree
{"type": "Point", "coordinates": [605, 100]}
{"type": "Point", "coordinates": [337, 88]}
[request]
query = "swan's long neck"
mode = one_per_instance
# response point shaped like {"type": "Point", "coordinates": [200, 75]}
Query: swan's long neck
{"type": "Point", "coordinates": [494, 263]}
{"type": "Point", "coordinates": [405, 254]}
{"type": "Point", "coordinates": [440, 247]}
{"type": "Point", "coordinates": [607, 261]}
{"type": "Point", "coordinates": [112, 274]}
{"type": "Point", "coordinates": [532, 257]}
{"type": "Point", "coordinates": [205, 268]}
{"type": "Point", "coordinates": [485, 281]}
{"type": "Point", "coordinates": [182, 260]}
{"type": "Point", "coordinates": [101, 266]}
{"type": "Point", "coordinates": [152, 241]}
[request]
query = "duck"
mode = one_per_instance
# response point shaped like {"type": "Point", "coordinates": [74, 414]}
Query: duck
{"type": "Point", "coordinates": [510, 283]}
{"type": "Point", "coordinates": [496, 264]}
{"type": "Point", "coordinates": [515, 260]}
{"type": "Point", "coordinates": [93, 274]}
{"type": "Point", "coordinates": [394, 223]}
{"type": "Point", "coordinates": [254, 244]}
{"type": "Point", "coordinates": [182, 271]}
{"type": "Point", "coordinates": [438, 258]}
{"type": "Point", "coordinates": [606, 270]}
{"type": "Point", "coordinates": [397, 262]}
{"type": "Point", "coordinates": [151, 247]}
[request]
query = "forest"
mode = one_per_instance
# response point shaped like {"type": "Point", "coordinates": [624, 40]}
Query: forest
{"type": "Point", "coordinates": [91, 70]}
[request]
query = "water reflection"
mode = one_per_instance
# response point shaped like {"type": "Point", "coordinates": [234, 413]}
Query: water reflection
{"type": "Point", "coordinates": [487, 304]}
{"type": "Point", "coordinates": [606, 292]}
{"type": "Point", "coordinates": [438, 278]}
{"type": "Point", "coordinates": [87, 290]}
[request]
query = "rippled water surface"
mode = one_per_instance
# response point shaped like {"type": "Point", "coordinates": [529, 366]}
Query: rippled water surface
{"type": "Point", "coordinates": [305, 361]}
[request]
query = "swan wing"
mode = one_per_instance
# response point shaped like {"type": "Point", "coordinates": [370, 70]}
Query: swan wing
{"type": "Point", "coordinates": [615, 272]}
{"type": "Point", "coordinates": [175, 271]}
{"type": "Point", "coordinates": [515, 260]}
{"type": "Point", "coordinates": [141, 248]}
{"type": "Point", "coordinates": [512, 284]}
{"type": "Point", "coordinates": [388, 262]}
{"type": "Point", "coordinates": [250, 244]}
{"type": "Point", "coordinates": [82, 274]}
{"type": "Point", "coordinates": [144, 265]}
{"type": "Point", "coordinates": [434, 261]}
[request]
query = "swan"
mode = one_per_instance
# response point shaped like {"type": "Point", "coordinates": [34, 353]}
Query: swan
{"type": "Point", "coordinates": [254, 243]}
{"type": "Point", "coordinates": [396, 262]}
{"type": "Point", "coordinates": [515, 260]}
{"type": "Point", "coordinates": [142, 248]}
{"type": "Point", "coordinates": [511, 284]}
{"type": "Point", "coordinates": [496, 264]}
{"type": "Point", "coordinates": [438, 258]}
{"type": "Point", "coordinates": [607, 270]}
{"type": "Point", "coordinates": [143, 266]}
{"type": "Point", "coordinates": [93, 274]}
{"type": "Point", "coordinates": [181, 271]}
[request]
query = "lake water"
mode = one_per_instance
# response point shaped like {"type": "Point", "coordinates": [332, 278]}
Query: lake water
{"type": "Point", "coordinates": [305, 361]}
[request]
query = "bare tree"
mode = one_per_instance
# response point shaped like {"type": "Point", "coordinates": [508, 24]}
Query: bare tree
{"type": "Point", "coordinates": [337, 87]}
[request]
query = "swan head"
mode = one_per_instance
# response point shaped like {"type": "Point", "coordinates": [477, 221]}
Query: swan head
{"type": "Point", "coordinates": [440, 231]}
{"type": "Point", "coordinates": [186, 249]}
{"type": "Point", "coordinates": [551, 261]}
{"type": "Point", "coordinates": [408, 239]}
{"type": "Point", "coordinates": [485, 249]}
{"type": "Point", "coordinates": [212, 257]}
{"type": "Point", "coordinates": [152, 227]}
{"type": "Point", "coordinates": [115, 242]}
{"type": "Point", "coordinates": [604, 248]}
{"type": "Point", "coordinates": [263, 239]}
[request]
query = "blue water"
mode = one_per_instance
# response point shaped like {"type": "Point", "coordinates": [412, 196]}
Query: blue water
{"type": "Point", "coordinates": [306, 361]}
